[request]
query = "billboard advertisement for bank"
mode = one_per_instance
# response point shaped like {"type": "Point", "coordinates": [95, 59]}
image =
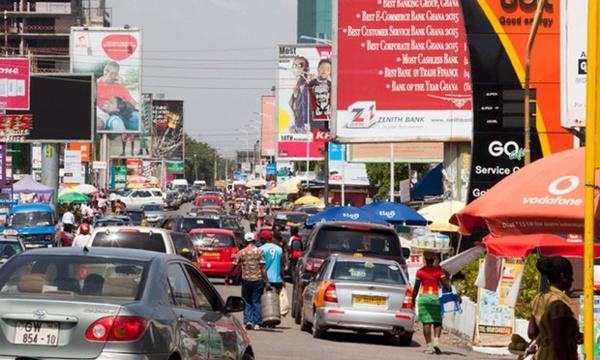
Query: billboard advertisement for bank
{"type": "Point", "coordinates": [167, 129]}
{"type": "Point", "coordinates": [114, 55]}
{"type": "Point", "coordinates": [304, 82]}
{"type": "Point", "coordinates": [400, 72]}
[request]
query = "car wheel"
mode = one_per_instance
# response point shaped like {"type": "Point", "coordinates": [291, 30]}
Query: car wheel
{"type": "Point", "coordinates": [405, 339]}
{"type": "Point", "coordinates": [317, 331]}
{"type": "Point", "coordinates": [304, 324]}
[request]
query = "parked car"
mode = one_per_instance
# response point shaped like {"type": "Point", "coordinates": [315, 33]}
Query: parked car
{"type": "Point", "coordinates": [154, 213]}
{"type": "Point", "coordinates": [364, 294]}
{"type": "Point", "coordinates": [331, 237]}
{"type": "Point", "coordinates": [10, 245]}
{"type": "Point", "coordinates": [135, 216]}
{"type": "Point", "coordinates": [138, 237]}
{"type": "Point", "coordinates": [105, 303]}
{"type": "Point", "coordinates": [217, 249]}
{"type": "Point", "coordinates": [36, 224]}
{"type": "Point", "coordinates": [134, 199]}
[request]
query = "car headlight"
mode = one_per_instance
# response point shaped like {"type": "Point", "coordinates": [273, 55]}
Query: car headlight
{"type": "Point", "coordinates": [49, 237]}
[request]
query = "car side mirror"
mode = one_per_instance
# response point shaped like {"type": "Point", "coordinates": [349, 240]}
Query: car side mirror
{"type": "Point", "coordinates": [235, 304]}
{"type": "Point", "coordinates": [406, 252]}
{"type": "Point", "coordinates": [307, 277]}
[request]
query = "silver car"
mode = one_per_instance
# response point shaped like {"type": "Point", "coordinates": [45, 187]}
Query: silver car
{"type": "Point", "coordinates": [106, 303]}
{"type": "Point", "coordinates": [154, 213]}
{"type": "Point", "coordinates": [363, 294]}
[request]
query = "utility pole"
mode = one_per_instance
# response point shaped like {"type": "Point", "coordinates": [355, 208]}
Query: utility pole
{"type": "Point", "coordinates": [215, 170]}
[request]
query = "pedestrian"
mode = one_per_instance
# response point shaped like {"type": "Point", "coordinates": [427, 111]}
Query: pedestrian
{"type": "Point", "coordinates": [68, 220]}
{"type": "Point", "coordinates": [254, 280]}
{"type": "Point", "coordinates": [273, 263]}
{"type": "Point", "coordinates": [253, 219]}
{"type": "Point", "coordinates": [84, 235]}
{"type": "Point", "coordinates": [118, 207]}
{"type": "Point", "coordinates": [279, 240]}
{"type": "Point", "coordinates": [552, 322]}
{"type": "Point", "coordinates": [427, 289]}
{"type": "Point", "coordinates": [296, 250]}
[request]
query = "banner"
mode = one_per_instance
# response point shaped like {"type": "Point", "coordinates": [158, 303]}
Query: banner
{"type": "Point", "coordinates": [114, 56]}
{"type": "Point", "coordinates": [118, 177]}
{"type": "Point", "coordinates": [167, 129]}
{"type": "Point", "coordinates": [138, 145]}
{"type": "Point", "coordinates": [401, 72]}
{"type": "Point", "coordinates": [175, 167]}
{"type": "Point", "coordinates": [72, 167]}
{"type": "Point", "coordinates": [14, 83]}
{"type": "Point", "coordinates": [301, 69]}
{"type": "Point", "coordinates": [268, 131]}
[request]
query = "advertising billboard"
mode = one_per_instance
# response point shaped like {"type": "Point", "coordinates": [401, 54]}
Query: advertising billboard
{"type": "Point", "coordinates": [304, 73]}
{"type": "Point", "coordinates": [14, 83]}
{"type": "Point", "coordinates": [167, 135]}
{"type": "Point", "coordinates": [267, 131]}
{"type": "Point", "coordinates": [114, 55]}
{"type": "Point", "coordinates": [400, 72]}
{"type": "Point", "coordinates": [498, 32]}
{"type": "Point", "coordinates": [138, 145]}
{"type": "Point", "coordinates": [61, 110]}
{"type": "Point", "coordinates": [573, 34]}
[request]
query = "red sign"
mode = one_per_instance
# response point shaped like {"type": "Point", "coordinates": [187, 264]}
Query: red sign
{"type": "Point", "coordinates": [321, 135]}
{"type": "Point", "coordinates": [15, 127]}
{"type": "Point", "coordinates": [119, 47]}
{"type": "Point", "coordinates": [14, 83]}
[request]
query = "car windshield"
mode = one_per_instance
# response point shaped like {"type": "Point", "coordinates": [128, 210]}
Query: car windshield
{"type": "Point", "coordinates": [131, 240]}
{"type": "Point", "coordinates": [368, 271]}
{"type": "Point", "coordinates": [135, 215]}
{"type": "Point", "coordinates": [9, 248]}
{"type": "Point", "coordinates": [213, 240]}
{"type": "Point", "coordinates": [153, 207]}
{"type": "Point", "coordinates": [57, 276]}
{"type": "Point", "coordinates": [30, 219]}
{"type": "Point", "coordinates": [199, 223]}
{"type": "Point", "coordinates": [345, 240]}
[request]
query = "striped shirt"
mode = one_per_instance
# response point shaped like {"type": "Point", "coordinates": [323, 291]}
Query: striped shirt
{"type": "Point", "coordinates": [250, 259]}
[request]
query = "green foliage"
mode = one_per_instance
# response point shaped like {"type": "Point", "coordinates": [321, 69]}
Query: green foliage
{"type": "Point", "coordinates": [379, 174]}
{"type": "Point", "coordinates": [200, 161]}
{"type": "Point", "coordinates": [529, 285]}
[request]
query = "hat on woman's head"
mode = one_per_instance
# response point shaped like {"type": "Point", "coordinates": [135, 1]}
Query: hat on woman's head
{"type": "Point", "coordinates": [249, 237]}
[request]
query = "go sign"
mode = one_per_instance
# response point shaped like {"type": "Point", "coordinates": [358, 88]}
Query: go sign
{"type": "Point", "coordinates": [496, 148]}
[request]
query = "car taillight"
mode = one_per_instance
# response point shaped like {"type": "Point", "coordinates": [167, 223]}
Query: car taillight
{"type": "Point", "coordinates": [119, 328]}
{"type": "Point", "coordinates": [233, 254]}
{"type": "Point", "coordinates": [408, 299]}
{"type": "Point", "coordinates": [313, 264]}
{"type": "Point", "coordinates": [330, 294]}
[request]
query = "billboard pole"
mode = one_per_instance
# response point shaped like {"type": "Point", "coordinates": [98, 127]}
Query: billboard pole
{"type": "Point", "coordinates": [392, 172]}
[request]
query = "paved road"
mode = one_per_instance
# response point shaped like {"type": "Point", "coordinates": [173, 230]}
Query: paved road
{"type": "Point", "coordinates": [287, 341]}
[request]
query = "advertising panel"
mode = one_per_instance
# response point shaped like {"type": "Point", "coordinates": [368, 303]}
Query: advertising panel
{"type": "Point", "coordinates": [401, 72]}
{"type": "Point", "coordinates": [14, 83]}
{"type": "Point", "coordinates": [138, 145]}
{"type": "Point", "coordinates": [573, 49]}
{"type": "Point", "coordinates": [175, 167]}
{"type": "Point", "coordinates": [72, 167]}
{"type": "Point", "coordinates": [403, 153]}
{"type": "Point", "coordinates": [84, 148]}
{"type": "Point", "coordinates": [302, 69]}
{"type": "Point", "coordinates": [167, 129]}
{"type": "Point", "coordinates": [119, 177]}
{"type": "Point", "coordinates": [502, 28]}
{"type": "Point", "coordinates": [268, 131]}
{"type": "Point", "coordinates": [114, 55]}
{"type": "Point", "coordinates": [61, 111]}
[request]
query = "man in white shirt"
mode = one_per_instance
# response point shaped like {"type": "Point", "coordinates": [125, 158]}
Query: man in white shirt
{"type": "Point", "coordinates": [82, 238]}
{"type": "Point", "coordinates": [68, 220]}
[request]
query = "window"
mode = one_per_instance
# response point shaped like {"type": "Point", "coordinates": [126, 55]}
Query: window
{"type": "Point", "coordinates": [213, 240]}
{"type": "Point", "coordinates": [156, 193]}
{"type": "Point", "coordinates": [180, 289]}
{"type": "Point", "coordinates": [321, 273]}
{"type": "Point", "coordinates": [367, 271]}
{"type": "Point", "coordinates": [204, 298]}
{"type": "Point", "coordinates": [152, 241]}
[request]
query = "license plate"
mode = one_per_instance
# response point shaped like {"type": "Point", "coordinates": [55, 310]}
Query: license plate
{"type": "Point", "coordinates": [211, 253]}
{"type": "Point", "coordinates": [37, 333]}
{"type": "Point", "coordinates": [370, 300]}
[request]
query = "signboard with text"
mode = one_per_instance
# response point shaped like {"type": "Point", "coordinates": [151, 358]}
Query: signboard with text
{"type": "Point", "coordinates": [14, 83]}
{"type": "Point", "coordinates": [175, 167]}
{"type": "Point", "coordinates": [401, 72]}
{"type": "Point", "coordinates": [167, 129]}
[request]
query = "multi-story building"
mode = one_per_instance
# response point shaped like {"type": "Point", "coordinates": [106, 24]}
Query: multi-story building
{"type": "Point", "coordinates": [40, 29]}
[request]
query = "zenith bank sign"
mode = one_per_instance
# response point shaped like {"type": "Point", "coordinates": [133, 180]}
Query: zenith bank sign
{"type": "Point", "coordinates": [321, 135]}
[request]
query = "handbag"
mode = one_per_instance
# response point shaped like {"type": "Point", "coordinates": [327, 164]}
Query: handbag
{"type": "Point", "coordinates": [284, 303]}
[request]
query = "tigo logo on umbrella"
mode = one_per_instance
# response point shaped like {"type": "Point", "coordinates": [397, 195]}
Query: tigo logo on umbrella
{"type": "Point", "coordinates": [388, 214]}
{"type": "Point", "coordinates": [351, 216]}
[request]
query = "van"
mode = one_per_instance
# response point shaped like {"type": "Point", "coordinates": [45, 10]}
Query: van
{"type": "Point", "coordinates": [178, 183]}
{"type": "Point", "coordinates": [199, 183]}
{"type": "Point", "coordinates": [35, 223]}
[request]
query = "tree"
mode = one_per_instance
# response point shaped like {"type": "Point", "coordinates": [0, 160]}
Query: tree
{"type": "Point", "coordinates": [379, 174]}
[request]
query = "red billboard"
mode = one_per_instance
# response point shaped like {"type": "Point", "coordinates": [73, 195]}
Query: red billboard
{"type": "Point", "coordinates": [14, 83]}
{"type": "Point", "coordinates": [401, 72]}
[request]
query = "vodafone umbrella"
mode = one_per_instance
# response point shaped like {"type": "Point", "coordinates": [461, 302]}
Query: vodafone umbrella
{"type": "Point", "coordinates": [545, 196]}
{"type": "Point", "coordinates": [523, 245]}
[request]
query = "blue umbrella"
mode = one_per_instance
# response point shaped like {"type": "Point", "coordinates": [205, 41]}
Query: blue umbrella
{"type": "Point", "coordinates": [395, 213]}
{"type": "Point", "coordinates": [345, 213]}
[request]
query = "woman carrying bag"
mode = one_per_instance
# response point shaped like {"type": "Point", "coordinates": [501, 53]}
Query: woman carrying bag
{"type": "Point", "coordinates": [427, 289]}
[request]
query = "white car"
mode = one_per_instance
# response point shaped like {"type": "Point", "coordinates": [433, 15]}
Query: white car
{"type": "Point", "coordinates": [135, 198]}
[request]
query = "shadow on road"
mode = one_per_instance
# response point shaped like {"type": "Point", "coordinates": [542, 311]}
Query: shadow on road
{"type": "Point", "coordinates": [350, 337]}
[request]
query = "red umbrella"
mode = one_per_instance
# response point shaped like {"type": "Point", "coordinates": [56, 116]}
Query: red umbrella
{"type": "Point", "coordinates": [545, 196]}
{"type": "Point", "coordinates": [523, 245]}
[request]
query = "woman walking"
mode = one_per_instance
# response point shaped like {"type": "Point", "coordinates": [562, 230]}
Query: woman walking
{"type": "Point", "coordinates": [428, 280]}
{"type": "Point", "coordinates": [552, 322]}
